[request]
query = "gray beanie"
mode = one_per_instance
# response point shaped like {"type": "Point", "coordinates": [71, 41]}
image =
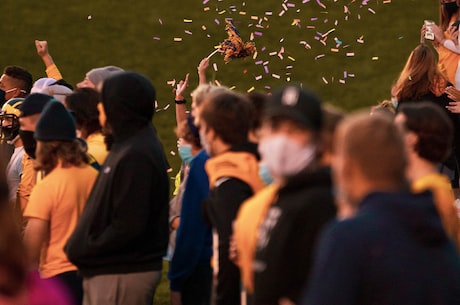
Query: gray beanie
{"type": "Point", "coordinates": [98, 75]}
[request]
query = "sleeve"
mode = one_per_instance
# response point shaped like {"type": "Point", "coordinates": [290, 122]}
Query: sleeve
{"type": "Point", "coordinates": [136, 184]}
{"type": "Point", "coordinates": [40, 203]}
{"type": "Point", "coordinates": [335, 274]}
{"type": "Point", "coordinates": [193, 231]}
{"type": "Point", "coordinates": [52, 71]}
{"type": "Point", "coordinates": [27, 181]}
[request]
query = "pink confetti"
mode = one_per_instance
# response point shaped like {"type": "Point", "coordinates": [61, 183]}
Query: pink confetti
{"type": "Point", "coordinates": [217, 21]}
{"type": "Point", "coordinates": [188, 32]}
{"type": "Point", "coordinates": [320, 4]}
{"type": "Point", "coordinates": [156, 38]}
{"type": "Point", "coordinates": [276, 76]}
{"type": "Point", "coordinates": [319, 56]}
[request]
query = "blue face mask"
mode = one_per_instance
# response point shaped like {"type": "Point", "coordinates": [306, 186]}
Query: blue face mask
{"type": "Point", "coordinates": [264, 174]}
{"type": "Point", "coordinates": [185, 152]}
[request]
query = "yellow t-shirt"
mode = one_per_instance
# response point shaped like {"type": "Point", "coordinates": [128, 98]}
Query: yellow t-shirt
{"type": "Point", "coordinates": [96, 147]}
{"type": "Point", "coordinates": [444, 199]}
{"type": "Point", "coordinates": [448, 60]}
{"type": "Point", "coordinates": [59, 199]}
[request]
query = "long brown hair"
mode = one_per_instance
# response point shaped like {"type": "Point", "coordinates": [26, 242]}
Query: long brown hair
{"type": "Point", "coordinates": [445, 17]}
{"type": "Point", "coordinates": [49, 153]}
{"type": "Point", "coordinates": [420, 76]}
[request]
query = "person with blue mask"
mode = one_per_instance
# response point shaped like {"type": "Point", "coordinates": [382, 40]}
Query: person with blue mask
{"type": "Point", "coordinates": [190, 272]}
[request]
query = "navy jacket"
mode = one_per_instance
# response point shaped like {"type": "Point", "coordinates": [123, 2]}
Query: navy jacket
{"type": "Point", "coordinates": [393, 252]}
{"type": "Point", "coordinates": [194, 236]}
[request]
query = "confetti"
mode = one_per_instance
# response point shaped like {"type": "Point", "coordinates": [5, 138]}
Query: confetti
{"type": "Point", "coordinates": [188, 32]}
{"type": "Point", "coordinates": [319, 56]}
{"type": "Point", "coordinates": [325, 80]}
{"type": "Point", "coordinates": [177, 39]}
{"type": "Point", "coordinates": [320, 4]}
{"type": "Point", "coordinates": [90, 17]}
{"type": "Point", "coordinates": [291, 58]}
{"type": "Point", "coordinates": [276, 76]}
{"type": "Point", "coordinates": [258, 77]}
{"type": "Point", "coordinates": [375, 58]}
{"type": "Point", "coordinates": [251, 89]}
{"type": "Point", "coordinates": [371, 10]}
{"type": "Point", "coordinates": [188, 20]}
{"type": "Point", "coordinates": [350, 54]}
{"type": "Point", "coordinates": [214, 65]}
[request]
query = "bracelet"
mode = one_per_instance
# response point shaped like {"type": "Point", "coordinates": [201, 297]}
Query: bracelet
{"type": "Point", "coordinates": [180, 102]}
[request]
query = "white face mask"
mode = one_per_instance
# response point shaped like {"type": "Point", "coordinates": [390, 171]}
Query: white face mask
{"type": "Point", "coordinates": [285, 157]}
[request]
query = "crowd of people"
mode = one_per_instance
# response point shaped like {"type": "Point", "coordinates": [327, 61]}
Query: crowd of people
{"type": "Point", "coordinates": [280, 199]}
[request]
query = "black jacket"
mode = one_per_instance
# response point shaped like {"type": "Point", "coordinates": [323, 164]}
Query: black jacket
{"type": "Point", "coordinates": [288, 235]}
{"type": "Point", "coordinates": [124, 226]}
{"type": "Point", "coordinates": [221, 208]}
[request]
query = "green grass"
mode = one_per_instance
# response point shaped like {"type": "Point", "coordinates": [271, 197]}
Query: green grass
{"type": "Point", "coordinates": [121, 33]}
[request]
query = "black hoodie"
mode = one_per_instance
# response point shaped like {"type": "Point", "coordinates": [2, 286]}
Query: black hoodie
{"type": "Point", "coordinates": [124, 226]}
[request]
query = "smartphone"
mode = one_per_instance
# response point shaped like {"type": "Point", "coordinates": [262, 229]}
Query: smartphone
{"type": "Point", "coordinates": [429, 33]}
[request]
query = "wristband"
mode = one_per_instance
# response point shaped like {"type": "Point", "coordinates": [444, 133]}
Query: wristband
{"type": "Point", "coordinates": [180, 102]}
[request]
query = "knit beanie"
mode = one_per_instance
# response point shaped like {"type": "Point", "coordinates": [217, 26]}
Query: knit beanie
{"type": "Point", "coordinates": [55, 124]}
{"type": "Point", "coordinates": [34, 104]}
{"type": "Point", "coordinates": [98, 75]}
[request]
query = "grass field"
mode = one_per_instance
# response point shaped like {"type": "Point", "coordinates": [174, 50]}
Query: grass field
{"type": "Point", "coordinates": [372, 42]}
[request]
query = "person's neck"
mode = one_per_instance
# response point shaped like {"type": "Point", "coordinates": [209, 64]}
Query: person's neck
{"type": "Point", "coordinates": [418, 168]}
{"type": "Point", "coordinates": [219, 147]}
{"type": "Point", "coordinates": [368, 186]}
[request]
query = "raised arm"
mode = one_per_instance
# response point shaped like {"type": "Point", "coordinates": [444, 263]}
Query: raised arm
{"type": "Point", "coordinates": [202, 67]}
{"type": "Point", "coordinates": [181, 110]}
{"type": "Point", "coordinates": [52, 70]}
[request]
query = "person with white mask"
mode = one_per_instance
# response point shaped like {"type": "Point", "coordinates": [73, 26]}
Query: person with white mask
{"type": "Point", "coordinates": [276, 230]}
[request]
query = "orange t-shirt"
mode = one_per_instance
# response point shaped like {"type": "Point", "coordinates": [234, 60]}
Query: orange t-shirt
{"type": "Point", "coordinates": [59, 199]}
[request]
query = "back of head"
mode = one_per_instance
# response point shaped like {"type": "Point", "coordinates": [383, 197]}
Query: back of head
{"type": "Point", "coordinates": [228, 114]}
{"type": "Point", "coordinates": [51, 87]}
{"type": "Point", "coordinates": [21, 75]}
{"type": "Point", "coordinates": [83, 103]}
{"type": "Point", "coordinates": [128, 100]}
{"type": "Point", "coordinates": [98, 75]}
{"type": "Point", "coordinates": [433, 128]}
{"type": "Point", "coordinates": [419, 76]}
{"type": "Point", "coordinates": [55, 124]}
{"type": "Point", "coordinates": [259, 102]}
{"type": "Point", "coordinates": [374, 145]}
{"type": "Point", "coordinates": [34, 104]}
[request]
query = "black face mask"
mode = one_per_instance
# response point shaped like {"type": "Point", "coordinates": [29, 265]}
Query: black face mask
{"type": "Point", "coordinates": [29, 142]}
{"type": "Point", "coordinates": [450, 7]}
{"type": "Point", "coordinates": [2, 97]}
